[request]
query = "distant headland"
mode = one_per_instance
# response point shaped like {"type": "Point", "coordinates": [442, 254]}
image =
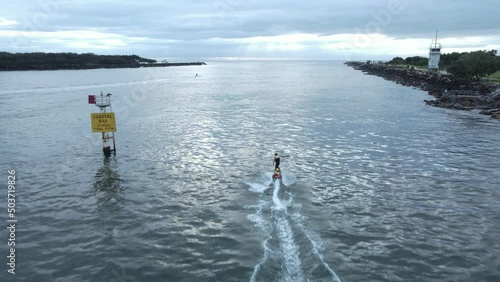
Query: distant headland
{"type": "Point", "coordinates": [73, 61]}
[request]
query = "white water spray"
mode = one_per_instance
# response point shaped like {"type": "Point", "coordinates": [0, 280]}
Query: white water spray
{"type": "Point", "coordinates": [282, 225]}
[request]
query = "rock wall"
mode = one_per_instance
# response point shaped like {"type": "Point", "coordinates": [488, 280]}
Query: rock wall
{"type": "Point", "coordinates": [449, 92]}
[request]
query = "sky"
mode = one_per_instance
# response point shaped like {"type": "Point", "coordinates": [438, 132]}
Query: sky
{"type": "Point", "coordinates": [249, 30]}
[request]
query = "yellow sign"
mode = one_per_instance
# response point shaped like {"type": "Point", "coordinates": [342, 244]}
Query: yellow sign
{"type": "Point", "coordinates": [103, 122]}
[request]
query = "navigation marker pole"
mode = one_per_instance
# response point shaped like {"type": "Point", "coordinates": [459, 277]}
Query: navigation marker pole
{"type": "Point", "coordinates": [104, 122]}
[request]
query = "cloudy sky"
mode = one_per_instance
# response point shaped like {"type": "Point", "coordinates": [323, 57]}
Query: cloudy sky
{"type": "Point", "coordinates": [258, 29]}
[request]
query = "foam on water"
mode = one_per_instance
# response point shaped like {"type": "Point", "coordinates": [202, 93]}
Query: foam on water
{"type": "Point", "coordinates": [266, 227]}
{"type": "Point", "coordinates": [288, 179]}
{"type": "Point", "coordinates": [260, 222]}
{"type": "Point", "coordinates": [280, 229]}
{"type": "Point", "coordinates": [278, 205]}
{"type": "Point", "coordinates": [267, 254]}
{"type": "Point", "coordinates": [316, 243]}
{"type": "Point", "coordinates": [289, 250]}
{"type": "Point", "coordinates": [262, 184]}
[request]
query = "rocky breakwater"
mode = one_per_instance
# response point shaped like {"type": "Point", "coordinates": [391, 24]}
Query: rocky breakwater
{"type": "Point", "coordinates": [449, 92]}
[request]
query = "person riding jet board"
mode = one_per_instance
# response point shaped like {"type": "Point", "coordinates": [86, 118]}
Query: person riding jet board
{"type": "Point", "coordinates": [277, 170]}
{"type": "Point", "coordinates": [276, 161]}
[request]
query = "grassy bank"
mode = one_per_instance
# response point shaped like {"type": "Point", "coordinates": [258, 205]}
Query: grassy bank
{"type": "Point", "coordinates": [493, 78]}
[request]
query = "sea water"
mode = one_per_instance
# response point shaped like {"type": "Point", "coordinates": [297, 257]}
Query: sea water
{"type": "Point", "coordinates": [377, 186]}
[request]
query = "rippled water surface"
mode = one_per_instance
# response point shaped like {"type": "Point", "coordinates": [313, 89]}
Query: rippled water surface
{"type": "Point", "coordinates": [376, 185]}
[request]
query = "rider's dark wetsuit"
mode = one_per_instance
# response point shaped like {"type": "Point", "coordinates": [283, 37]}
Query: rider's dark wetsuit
{"type": "Point", "coordinates": [276, 162]}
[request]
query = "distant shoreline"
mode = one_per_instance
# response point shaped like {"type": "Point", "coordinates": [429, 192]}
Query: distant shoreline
{"type": "Point", "coordinates": [73, 61]}
{"type": "Point", "coordinates": [92, 67]}
{"type": "Point", "coordinates": [450, 92]}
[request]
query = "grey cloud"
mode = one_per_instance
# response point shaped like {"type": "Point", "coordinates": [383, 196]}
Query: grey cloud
{"type": "Point", "coordinates": [194, 23]}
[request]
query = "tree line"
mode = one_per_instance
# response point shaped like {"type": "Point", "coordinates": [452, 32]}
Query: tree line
{"type": "Point", "coordinates": [469, 65]}
{"type": "Point", "coordinates": [42, 61]}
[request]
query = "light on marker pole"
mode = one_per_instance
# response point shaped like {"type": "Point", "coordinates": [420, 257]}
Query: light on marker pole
{"type": "Point", "coordinates": [104, 122]}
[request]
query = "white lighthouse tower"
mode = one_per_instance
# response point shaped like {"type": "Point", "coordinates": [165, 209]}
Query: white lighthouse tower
{"type": "Point", "coordinates": [434, 54]}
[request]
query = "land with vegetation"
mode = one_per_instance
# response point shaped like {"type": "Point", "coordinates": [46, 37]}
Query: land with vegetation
{"type": "Point", "coordinates": [73, 61]}
{"type": "Point", "coordinates": [466, 81]}
{"type": "Point", "coordinates": [475, 65]}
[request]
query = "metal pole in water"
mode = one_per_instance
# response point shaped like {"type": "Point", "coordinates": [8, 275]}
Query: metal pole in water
{"type": "Point", "coordinates": [112, 133]}
{"type": "Point", "coordinates": [106, 147]}
{"type": "Point", "coordinates": [104, 122]}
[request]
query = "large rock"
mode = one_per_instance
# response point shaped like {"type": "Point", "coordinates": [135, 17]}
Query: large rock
{"type": "Point", "coordinates": [496, 115]}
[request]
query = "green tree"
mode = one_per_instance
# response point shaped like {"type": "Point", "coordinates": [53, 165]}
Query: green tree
{"type": "Point", "coordinates": [447, 60]}
{"type": "Point", "coordinates": [417, 61]}
{"type": "Point", "coordinates": [396, 61]}
{"type": "Point", "coordinates": [475, 65]}
{"type": "Point", "coordinates": [38, 60]}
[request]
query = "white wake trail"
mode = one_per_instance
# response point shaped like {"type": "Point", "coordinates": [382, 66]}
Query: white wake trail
{"type": "Point", "coordinates": [316, 244]}
{"type": "Point", "coordinates": [289, 250]}
{"type": "Point", "coordinates": [278, 205]}
{"type": "Point", "coordinates": [283, 226]}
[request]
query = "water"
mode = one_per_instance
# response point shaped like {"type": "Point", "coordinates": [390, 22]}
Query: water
{"type": "Point", "coordinates": [378, 186]}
